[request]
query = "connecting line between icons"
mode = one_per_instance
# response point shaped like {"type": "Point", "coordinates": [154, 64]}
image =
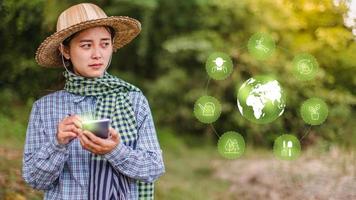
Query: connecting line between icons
{"type": "Point", "coordinates": [306, 133]}
{"type": "Point", "coordinates": [216, 133]}
{"type": "Point", "coordinates": [285, 50]}
{"type": "Point", "coordinates": [207, 85]}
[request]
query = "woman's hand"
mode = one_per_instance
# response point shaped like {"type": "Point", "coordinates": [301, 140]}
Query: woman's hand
{"type": "Point", "coordinates": [97, 145]}
{"type": "Point", "coordinates": [68, 129]}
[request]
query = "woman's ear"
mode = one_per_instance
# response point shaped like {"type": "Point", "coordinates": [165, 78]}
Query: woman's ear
{"type": "Point", "coordinates": [64, 51]}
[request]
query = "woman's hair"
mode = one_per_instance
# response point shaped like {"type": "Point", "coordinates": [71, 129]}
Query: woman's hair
{"type": "Point", "coordinates": [68, 39]}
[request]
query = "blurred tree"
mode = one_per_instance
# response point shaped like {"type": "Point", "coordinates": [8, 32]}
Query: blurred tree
{"type": "Point", "coordinates": [167, 60]}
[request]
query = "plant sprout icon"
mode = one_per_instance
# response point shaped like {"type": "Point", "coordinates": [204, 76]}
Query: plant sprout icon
{"type": "Point", "coordinates": [261, 46]}
{"type": "Point", "coordinates": [232, 146]}
{"type": "Point", "coordinates": [287, 148]}
{"type": "Point", "coordinates": [219, 65]}
{"type": "Point", "coordinates": [314, 111]}
{"type": "Point", "coordinates": [208, 109]}
{"type": "Point", "coordinates": [304, 66]}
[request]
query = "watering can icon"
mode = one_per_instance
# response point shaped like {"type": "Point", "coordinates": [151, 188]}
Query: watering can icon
{"type": "Point", "coordinates": [208, 109]}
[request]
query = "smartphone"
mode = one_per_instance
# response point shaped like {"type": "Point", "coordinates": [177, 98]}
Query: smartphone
{"type": "Point", "coordinates": [99, 127]}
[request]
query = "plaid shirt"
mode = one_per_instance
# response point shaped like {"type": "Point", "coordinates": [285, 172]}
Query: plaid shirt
{"type": "Point", "coordinates": [63, 171]}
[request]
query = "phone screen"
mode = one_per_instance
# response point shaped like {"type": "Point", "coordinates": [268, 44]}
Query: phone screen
{"type": "Point", "coordinates": [99, 127]}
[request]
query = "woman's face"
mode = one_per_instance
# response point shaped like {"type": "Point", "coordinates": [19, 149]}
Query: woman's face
{"type": "Point", "coordinates": [90, 52]}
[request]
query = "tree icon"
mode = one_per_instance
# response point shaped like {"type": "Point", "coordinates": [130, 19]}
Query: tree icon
{"type": "Point", "coordinates": [231, 146]}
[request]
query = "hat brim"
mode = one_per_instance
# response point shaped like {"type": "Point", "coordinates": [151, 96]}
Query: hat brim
{"type": "Point", "coordinates": [126, 29]}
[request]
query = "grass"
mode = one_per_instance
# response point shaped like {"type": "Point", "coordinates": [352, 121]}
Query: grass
{"type": "Point", "coordinates": [195, 171]}
{"type": "Point", "coordinates": [12, 137]}
{"type": "Point", "coordinates": [189, 171]}
{"type": "Point", "coordinates": [188, 165]}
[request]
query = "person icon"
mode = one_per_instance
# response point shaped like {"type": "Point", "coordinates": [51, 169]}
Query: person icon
{"type": "Point", "coordinates": [219, 65]}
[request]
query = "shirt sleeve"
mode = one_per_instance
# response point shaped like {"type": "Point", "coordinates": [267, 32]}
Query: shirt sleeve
{"type": "Point", "coordinates": [145, 162]}
{"type": "Point", "coordinates": [43, 158]}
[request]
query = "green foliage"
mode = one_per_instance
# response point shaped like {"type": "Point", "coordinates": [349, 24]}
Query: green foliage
{"type": "Point", "coordinates": [301, 26]}
{"type": "Point", "coordinates": [167, 60]}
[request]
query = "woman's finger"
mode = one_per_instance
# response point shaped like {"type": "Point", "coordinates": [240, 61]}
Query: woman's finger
{"type": "Point", "coordinates": [112, 131]}
{"type": "Point", "coordinates": [71, 128]}
{"type": "Point", "coordinates": [67, 120]}
{"type": "Point", "coordinates": [94, 138]}
{"type": "Point", "coordinates": [67, 134]}
{"type": "Point", "coordinates": [81, 141]}
{"type": "Point", "coordinates": [113, 134]}
{"type": "Point", "coordinates": [89, 144]}
{"type": "Point", "coordinates": [77, 123]}
{"type": "Point", "coordinates": [73, 119]}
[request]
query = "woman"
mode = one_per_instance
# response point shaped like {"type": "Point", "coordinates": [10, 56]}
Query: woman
{"type": "Point", "coordinates": [60, 157]}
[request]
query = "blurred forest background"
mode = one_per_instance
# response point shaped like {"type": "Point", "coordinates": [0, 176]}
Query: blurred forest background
{"type": "Point", "coordinates": [167, 61]}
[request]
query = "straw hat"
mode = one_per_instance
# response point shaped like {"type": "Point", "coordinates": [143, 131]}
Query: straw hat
{"type": "Point", "coordinates": [80, 17]}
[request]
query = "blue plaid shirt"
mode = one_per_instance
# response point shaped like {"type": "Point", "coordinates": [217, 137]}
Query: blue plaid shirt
{"type": "Point", "coordinates": [63, 171]}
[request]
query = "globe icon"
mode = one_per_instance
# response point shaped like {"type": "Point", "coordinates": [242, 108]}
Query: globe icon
{"type": "Point", "coordinates": [261, 99]}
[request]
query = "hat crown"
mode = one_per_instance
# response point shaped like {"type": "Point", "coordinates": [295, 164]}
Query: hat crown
{"type": "Point", "coordinates": [79, 13]}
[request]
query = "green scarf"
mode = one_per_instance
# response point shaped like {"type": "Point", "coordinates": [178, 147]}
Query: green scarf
{"type": "Point", "coordinates": [112, 102]}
